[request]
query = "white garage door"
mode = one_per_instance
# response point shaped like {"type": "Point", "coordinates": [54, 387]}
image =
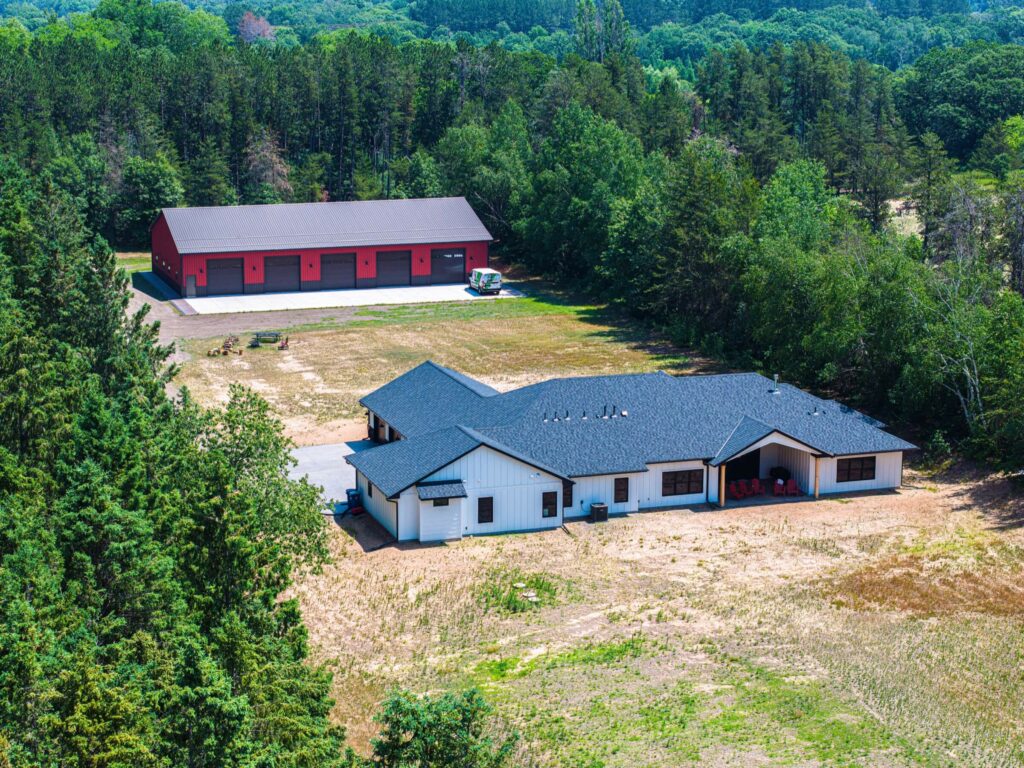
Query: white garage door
{"type": "Point", "coordinates": [440, 523]}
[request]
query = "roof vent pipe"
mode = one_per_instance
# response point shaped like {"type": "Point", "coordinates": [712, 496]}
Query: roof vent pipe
{"type": "Point", "coordinates": [604, 413]}
{"type": "Point", "coordinates": [567, 416]}
{"type": "Point", "coordinates": [775, 385]}
{"type": "Point", "coordinates": [615, 412]}
{"type": "Point", "coordinates": [584, 414]}
{"type": "Point", "coordinates": [545, 417]}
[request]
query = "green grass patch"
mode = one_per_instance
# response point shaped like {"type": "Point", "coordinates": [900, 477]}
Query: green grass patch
{"type": "Point", "coordinates": [599, 653]}
{"type": "Point", "coordinates": [509, 591]}
{"type": "Point", "coordinates": [134, 262]}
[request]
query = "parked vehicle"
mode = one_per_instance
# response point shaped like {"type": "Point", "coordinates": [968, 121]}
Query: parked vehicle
{"type": "Point", "coordinates": [484, 280]}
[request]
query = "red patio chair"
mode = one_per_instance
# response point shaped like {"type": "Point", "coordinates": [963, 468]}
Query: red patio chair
{"type": "Point", "coordinates": [792, 489]}
{"type": "Point", "coordinates": [744, 488]}
{"type": "Point", "coordinates": [756, 488]}
{"type": "Point", "coordinates": [778, 489]}
{"type": "Point", "coordinates": [735, 492]}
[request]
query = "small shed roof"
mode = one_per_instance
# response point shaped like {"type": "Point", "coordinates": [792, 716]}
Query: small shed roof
{"type": "Point", "coordinates": [239, 228]}
{"type": "Point", "coordinates": [441, 490]}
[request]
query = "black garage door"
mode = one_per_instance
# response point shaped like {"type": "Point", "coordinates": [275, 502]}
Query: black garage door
{"type": "Point", "coordinates": [448, 266]}
{"type": "Point", "coordinates": [223, 276]}
{"type": "Point", "coordinates": [338, 270]}
{"type": "Point", "coordinates": [281, 273]}
{"type": "Point", "coordinates": [394, 268]}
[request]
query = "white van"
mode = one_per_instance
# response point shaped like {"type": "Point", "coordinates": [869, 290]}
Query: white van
{"type": "Point", "coordinates": [484, 280]}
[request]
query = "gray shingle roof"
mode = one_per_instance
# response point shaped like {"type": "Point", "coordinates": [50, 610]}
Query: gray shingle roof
{"type": "Point", "coordinates": [412, 402]}
{"type": "Point", "coordinates": [234, 228]}
{"type": "Point", "coordinates": [607, 424]}
{"type": "Point", "coordinates": [441, 490]}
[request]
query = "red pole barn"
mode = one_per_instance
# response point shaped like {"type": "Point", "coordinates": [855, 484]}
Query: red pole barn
{"type": "Point", "coordinates": [318, 246]}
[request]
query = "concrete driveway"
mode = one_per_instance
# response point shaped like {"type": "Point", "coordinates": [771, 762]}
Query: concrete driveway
{"type": "Point", "coordinates": [361, 297]}
{"type": "Point", "coordinates": [325, 465]}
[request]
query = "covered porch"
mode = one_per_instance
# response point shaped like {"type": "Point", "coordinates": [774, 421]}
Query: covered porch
{"type": "Point", "coordinates": [773, 467]}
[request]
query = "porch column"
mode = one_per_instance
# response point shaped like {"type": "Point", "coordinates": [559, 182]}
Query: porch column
{"type": "Point", "coordinates": [817, 477]}
{"type": "Point", "coordinates": [721, 485]}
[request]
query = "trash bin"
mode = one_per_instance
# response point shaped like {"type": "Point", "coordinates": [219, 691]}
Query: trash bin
{"type": "Point", "coordinates": [599, 512]}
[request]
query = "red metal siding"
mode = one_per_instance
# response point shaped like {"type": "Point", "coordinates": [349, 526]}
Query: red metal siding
{"type": "Point", "coordinates": [421, 260]}
{"type": "Point", "coordinates": [366, 263]}
{"type": "Point", "coordinates": [166, 260]}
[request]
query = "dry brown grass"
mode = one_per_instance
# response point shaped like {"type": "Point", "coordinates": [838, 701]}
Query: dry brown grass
{"type": "Point", "coordinates": [315, 386]}
{"type": "Point", "coordinates": [679, 638]}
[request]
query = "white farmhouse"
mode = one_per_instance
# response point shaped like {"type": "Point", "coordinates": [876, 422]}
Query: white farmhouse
{"type": "Point", "coordinates": [457, 458]}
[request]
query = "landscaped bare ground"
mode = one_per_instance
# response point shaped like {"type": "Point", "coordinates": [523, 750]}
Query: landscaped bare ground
{"type": "Point", "coordinates": [815, 633]}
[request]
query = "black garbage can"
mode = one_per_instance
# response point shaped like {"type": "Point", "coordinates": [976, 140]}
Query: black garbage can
{"type": "Point", "coordinates": [599, 513]}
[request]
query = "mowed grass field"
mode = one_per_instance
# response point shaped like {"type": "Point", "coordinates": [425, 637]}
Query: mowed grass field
{"type": "Point", "coordinates": [882, 630]}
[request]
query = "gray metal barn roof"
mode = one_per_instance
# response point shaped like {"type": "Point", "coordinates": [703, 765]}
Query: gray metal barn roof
{"type": "Point", "coordinates": [237, 228]}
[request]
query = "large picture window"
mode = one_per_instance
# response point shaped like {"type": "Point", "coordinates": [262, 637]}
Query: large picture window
{"type": "Point", "coordinates": [549, 504]}
{"type": "Point", "coordinates": [682, 483]}
{"type": "Point", "coordinates": [852, 470]}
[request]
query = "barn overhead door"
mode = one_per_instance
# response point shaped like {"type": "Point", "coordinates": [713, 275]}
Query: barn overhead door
{"type": "Point", "coordinates": [281, 273]}
{"type": "Point", "coordinates": [394, 268]}
{"type": "Point", "coordinates": [448, 266]}
{"type": "Point", "coordinates": [338, 270]}
{"type": "Point", "coordinates": [223, 276]}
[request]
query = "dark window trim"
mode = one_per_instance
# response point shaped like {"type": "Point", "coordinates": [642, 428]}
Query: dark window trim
{"type": "Point", "coordinates": [442, 502]}
{"type": "Point", "coordinates": [682, 482]}
{"type": "Point", "coordinates": [481, 512]}
{"type": "Point", "coordinates": [549, 504]}
{"type": "Point", "coordinates": [857, 469]}
{"type": "Point", "coordinates": [621, 494]}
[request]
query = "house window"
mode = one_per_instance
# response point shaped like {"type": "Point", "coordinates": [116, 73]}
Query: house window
{"type": "Point", "coordinates": [682, 483]}
{"type": "Point", "coordinates": [485, 509]}
{"type": "Point", "coordinates": [369, 489]}
{"type": "Point", "coordinates": [549, 504]}
{"type": "Point", "coordinates": [566, 494]}
{"type": "Point", "coordinates": [440, 502]}
{"type": "Point", "coordinates": [621, 490]}
{"type": "Point", "coordinates": [852, 470]}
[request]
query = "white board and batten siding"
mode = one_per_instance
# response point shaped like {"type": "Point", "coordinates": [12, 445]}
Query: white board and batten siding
{"type": "Point", "coordinates": [600, 489]}
{"type": "Point", "coordinates": [383, 511]}
{"type": "Point", "coordinates": [440, 523]}
{"type": "Point", "coordinates": [515, 486]}
{"type": "Point", "coordinates": [888, 474]}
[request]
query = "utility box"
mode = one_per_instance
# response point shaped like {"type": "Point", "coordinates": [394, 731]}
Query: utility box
{"type": "Point", "coordinates": [599, 512]}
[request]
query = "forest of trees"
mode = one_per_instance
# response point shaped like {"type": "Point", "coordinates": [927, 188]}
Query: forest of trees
{"type": "Point", "coordinates": [748, 211]}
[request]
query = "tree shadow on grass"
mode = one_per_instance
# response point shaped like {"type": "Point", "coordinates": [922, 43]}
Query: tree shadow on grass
{"type": "Point", "coordinates": [998, 499]}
